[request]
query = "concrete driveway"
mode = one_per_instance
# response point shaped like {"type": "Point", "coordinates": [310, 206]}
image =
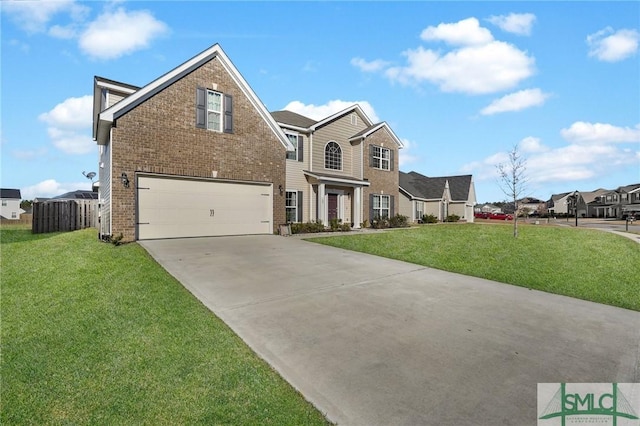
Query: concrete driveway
{"type": "Point", "coordinates": [372, 341]}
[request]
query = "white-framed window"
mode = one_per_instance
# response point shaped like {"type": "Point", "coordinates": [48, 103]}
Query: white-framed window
{"type": "Point", "coordinates": [293, 138]}
{"type": "Point", "coordinates": [214, 111]}
{"type": "Point", "coordinates": [291, 205]}
{"type": "Point", "coordinates": [4, 203]}
{"type": "Point", "coordinates": [381, 158]}
{"type": "Point", "coordinates": [333, 156]}
{"type": "Point", "coordinates": [419, 210]}
{"type": "Point", "coordinates": [13, 215]}
{"type": "Point", "coordinates": [381, 206]}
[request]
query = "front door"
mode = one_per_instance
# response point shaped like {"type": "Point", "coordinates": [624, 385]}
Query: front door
{"type": "Point", "coordinates": [332, 206]}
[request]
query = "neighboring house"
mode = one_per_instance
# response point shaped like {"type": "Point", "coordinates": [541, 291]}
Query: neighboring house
{"type": "Point", "coordinates": [10, 200]}
{"type": "Point", "coordinates": [193, 153]}
{"type": "Point", "coordinates": [344, 167]}
{"type": "Point", "coordinates": [559, 204]}
{"type": "Point", "coordinates": [439, 196]}
{"type": "Point", "coordinates": [488, 208]}
{"type": "Point", "coordinates": [618, 203]}
{"type": "Point", "coordinates": [589, 209]}
{"type": "Point", "coordinates": [80, 194]}
{"type": "Point", "coordinates": [531, 205]}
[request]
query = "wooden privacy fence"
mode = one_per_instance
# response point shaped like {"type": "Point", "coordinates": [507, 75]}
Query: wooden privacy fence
{"type": "Point", "coordinates": [64, 215]}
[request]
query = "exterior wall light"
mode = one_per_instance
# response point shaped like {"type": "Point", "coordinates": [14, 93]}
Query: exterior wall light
{"type": "Point", "coordinates": [281, 189]}
{"type": "Point", "coordinates": [125, 180]}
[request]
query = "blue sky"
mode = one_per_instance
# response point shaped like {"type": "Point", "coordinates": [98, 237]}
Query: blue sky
{"type": "Point", "coordinates": [461, 83]}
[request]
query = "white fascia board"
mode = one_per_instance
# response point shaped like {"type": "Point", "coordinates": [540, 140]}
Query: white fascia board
{"type": "Point", "coordinates": [354, 107]}
{"type": "Point", "coordinates": [338, 180]}
{"type": "Point", "coordinates": [375, 129]}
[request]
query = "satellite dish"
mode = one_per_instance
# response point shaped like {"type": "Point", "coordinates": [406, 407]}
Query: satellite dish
{"type": "Point", "coordinates": [89, 175]}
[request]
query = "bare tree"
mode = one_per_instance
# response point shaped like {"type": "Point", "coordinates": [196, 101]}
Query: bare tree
{"type": "Point", "coordinates": [513, 180]}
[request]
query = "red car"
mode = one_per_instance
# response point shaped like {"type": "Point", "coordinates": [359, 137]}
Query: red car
{"type": "Point", "coordinates": [500, 216]}
{"type": "Point", "coordinates": [482, 215]}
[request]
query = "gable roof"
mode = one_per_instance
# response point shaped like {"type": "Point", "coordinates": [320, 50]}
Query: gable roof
{"type": "Point", "coordinates": [100, 83]}
{"type": "Point", "coordinates": [289, 118]}
{"type": "Point", "coordinates": [79, 194]}
{"type": "Point", "coordinates": [8, 193]}
{"type": "Point", "coordinates": [352, 108]}
{"type": "Point", "coordinates": [430, 188]}
{"type": "Point", "coordinates": [374, 128]}
{"type": "Point", "coordinates": [109, 115]}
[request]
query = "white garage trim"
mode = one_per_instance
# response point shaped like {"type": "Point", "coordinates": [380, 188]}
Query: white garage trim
{"type": "Point", "coordinates": [180, 207]}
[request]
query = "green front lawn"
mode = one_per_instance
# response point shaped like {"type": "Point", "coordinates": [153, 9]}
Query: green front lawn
{"type": "Point", "coordinates": [97, 334]}
{"type": "Point", "coordinates": [582, 263]}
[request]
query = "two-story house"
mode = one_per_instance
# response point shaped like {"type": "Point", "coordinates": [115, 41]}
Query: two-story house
{"type": "Point", "coordinates": [619, 203]}
{"type": "Point", "coordinates": [193, 153]}
{"type": "Point", "coordinates": [10, 200]}
{"type": "Point", "coordinates": [344, 167]}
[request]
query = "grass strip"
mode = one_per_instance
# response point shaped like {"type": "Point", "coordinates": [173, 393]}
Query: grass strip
{"type": "Point", "coordinates": [98, 334]}
{"type": "Point", "coordinates": [582, 263]}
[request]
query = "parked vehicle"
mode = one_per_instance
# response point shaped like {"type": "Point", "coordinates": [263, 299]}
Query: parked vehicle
{"type": "Point", "coordinates": [500, 216]}
{"type": "Point", "coordinates": [483, 215]}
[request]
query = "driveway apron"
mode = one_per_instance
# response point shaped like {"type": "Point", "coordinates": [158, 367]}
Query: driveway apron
{"type": "Point", "coordinates": [374, 341]}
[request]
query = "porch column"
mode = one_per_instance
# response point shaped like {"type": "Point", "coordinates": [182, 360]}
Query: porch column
{"type": "Point", "coordinates": [322, 210]}
{"type": "Point", "coordinates": [357, 207]}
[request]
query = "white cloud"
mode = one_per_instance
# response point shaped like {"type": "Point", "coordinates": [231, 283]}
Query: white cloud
{"type": "Point", "coordinates": [120, 32]}
{"type": "Point", "coordinates": [566, 164]}
{"type": "Point", "coordinates": [51, 188]}
{"type": "Point", "coordinates": [406, 157]}
{"type": "Point", "coordinates": [583, 133]}
{"type": "Point", "coordinates": [69, 123]}
{"type": "Point", "coordinates": [516, 23]}
{"type": "Point", "coordinates": [609, 46]}
{"type": "Point", "coordinates": [33, 16]}
{"type": "Point", "coordinates": [319, 112]}
{"type": "Point", "coordinates": [63, 32]}
{"type": "Point", "coordinates": [369, 66]}
{"type": "Point", "coordinates": [467, 32]}
{"type": "Point", "coordinates": [487, 68]}
{"type": "Point", "coordinates": [516, 101]}
{"type": "Point", "coordinates": [531, 144]}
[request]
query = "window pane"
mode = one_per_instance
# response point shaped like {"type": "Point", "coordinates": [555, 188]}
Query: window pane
{"type": "Point", "coordinates": [294, 141]}
{"type": "Point", "coordinates": [213, 121]}
{"type": "Point", "coordinates": [385, 201]}
{"type": "Point", "coordinates": [214, 101]}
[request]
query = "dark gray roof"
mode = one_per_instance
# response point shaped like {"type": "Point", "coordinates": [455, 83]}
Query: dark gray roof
{"type": "Point", "coordinates": [430, 188]}
{"type": "Point", "coordinates": [10, 193]}
{"type": "Point", "coordinates": [78, 195]}
{"type": "Point", "coordinates": [293, 119]}
{"type": "Point", "coordinates": [365, 131]}
{"type": "Point", "coordinates": [628, 188]}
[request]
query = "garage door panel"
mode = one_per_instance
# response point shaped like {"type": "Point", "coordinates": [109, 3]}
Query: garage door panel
{"type": "Point", "coordinates": [173, 208]}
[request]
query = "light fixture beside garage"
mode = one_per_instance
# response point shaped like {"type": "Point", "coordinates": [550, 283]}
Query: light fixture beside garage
{"type": "Point", "coordinates": [125, 180]}
{"type": "Point", "coordinates": [281, 189]}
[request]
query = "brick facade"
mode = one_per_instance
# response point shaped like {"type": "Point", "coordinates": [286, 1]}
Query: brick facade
{"type": "Point", "coordinates": [160, 136]}
{"type": "Point", "coordinates": [382, 181]}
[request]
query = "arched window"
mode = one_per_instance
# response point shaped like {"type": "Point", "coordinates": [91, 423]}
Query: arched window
{"type": "Point", "coordinates": [333, 156]}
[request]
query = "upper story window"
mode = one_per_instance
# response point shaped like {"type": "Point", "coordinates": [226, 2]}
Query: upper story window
{"type": "Point", "coordinates": [381, 157]}
{"type": "Point", "coordinates": [214, 110]}
{"type": "Point", "coordinates": [333, 156]}
{"type": "Point", "coordinates": [296, 141]}
{"type": "Point", "coordinates": [4, 202]}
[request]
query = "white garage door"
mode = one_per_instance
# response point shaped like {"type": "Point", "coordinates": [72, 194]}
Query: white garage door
{"type": "Point", "coordinates": [175, 208]}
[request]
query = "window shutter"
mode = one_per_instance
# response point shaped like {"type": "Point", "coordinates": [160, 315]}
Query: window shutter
{"type": "Point", "coordinates": [300, 148]}
{"type": "Point", "coordinates": [371, 216]}
{"type": "Point", "coordinates": [391, 158]}
{"type": "Point", "coordinates": [299, 209]}
{"type": "Point", "coordinates": [392, 209]}
{"type": "Point", "coordinates": [370, 155]}
{"type": "Point", "coordinates": [201, 108]}
{"type": "Point", "coordinates": [228, 114]}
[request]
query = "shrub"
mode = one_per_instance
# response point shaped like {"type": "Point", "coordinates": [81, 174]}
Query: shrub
{"type": "Point", "coordinates": [452, 218]}
{"type": "Point", "coordinates": [379, 222]}
{"type": "Point", "coordinates": [307, 228]}
{"type": "Point", "coordinates": [345, 227]}
{"type": "Point", "coordinates": [399, 221]}
{"type": "Point", "coordinates": [429, 218]}
{"type": "Point", "coordinates": [364, 224]}
{"type": "Point", "coordinates": [334, 224]}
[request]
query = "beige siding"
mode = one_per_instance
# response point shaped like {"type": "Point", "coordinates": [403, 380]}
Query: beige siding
{"type": "Point", "coordinates": [433, 208]}
{"type": "Point", "coordinates": [406, 206]}
{"type": "Point", "coordinates": [104, 175]}
{"type": "Point", "coordinates": [339, 131]}
{"type": "Point", "coordinates": [114, 98]}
